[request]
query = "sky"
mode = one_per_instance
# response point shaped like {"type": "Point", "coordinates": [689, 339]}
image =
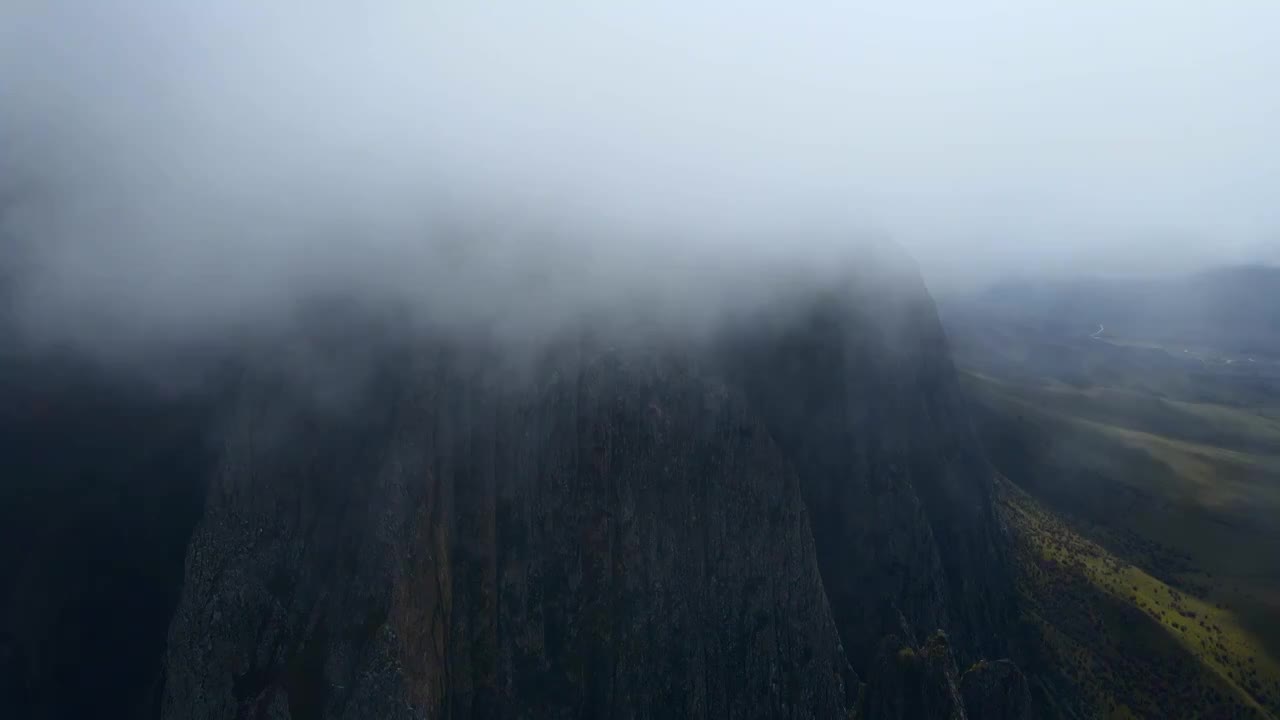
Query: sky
{"type": "Point", "coordinates": [168, 165]}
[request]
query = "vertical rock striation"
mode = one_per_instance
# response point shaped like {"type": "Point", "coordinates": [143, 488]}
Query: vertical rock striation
{"type": "Point", "coordinates": [619, 539]}
{"type": "Point", "coordinates": [857, 387]}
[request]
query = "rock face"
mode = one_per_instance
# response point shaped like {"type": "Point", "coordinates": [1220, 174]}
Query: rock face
{"type": "Point", "coordinates": [635, 529]}
{"type": "Point", "coordinates": [995, 691]}
{"type": "Point", "coordinates": [621, 539]}
{"type": "Point", "coordinates": [860, 393]}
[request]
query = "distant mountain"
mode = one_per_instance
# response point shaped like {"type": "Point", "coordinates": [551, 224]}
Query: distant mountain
{"type": "Point", "coordinates": [1231, 308]}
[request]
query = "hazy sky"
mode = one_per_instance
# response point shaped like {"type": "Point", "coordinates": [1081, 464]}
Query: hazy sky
{"type": "Point", "coordinates": [157, 155]}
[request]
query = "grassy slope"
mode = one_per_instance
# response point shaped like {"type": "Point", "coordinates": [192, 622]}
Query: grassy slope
{"type": "Point", "coordinates": [1163, 583]}
{"type": "Point", "coordinates": [1135, 646]}
{"type": "Point", "coordinates": [1219, 458]}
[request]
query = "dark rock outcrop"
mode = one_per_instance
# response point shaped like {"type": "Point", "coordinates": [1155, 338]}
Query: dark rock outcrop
{"type": "Point", "coordinates": [914, 683]}
{"type": "Point", "coordinates": [995, 691]}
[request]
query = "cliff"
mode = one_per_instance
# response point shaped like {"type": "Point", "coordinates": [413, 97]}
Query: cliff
{"type": "Point", "coordinates": [618, 538]}
{"type": "Point", "coordinates": [400, 523]}
{"type": "Point", "coordinates": [627, 529]}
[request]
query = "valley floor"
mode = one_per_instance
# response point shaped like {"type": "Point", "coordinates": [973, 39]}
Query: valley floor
{"type": "Point", "coordinates": [1145, 515]}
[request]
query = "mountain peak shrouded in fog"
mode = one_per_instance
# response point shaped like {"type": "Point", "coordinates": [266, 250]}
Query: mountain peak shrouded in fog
{"type": "Point", "coordinates": [416, 360]}
{"type": "Point", "coordinates": [191, 168]}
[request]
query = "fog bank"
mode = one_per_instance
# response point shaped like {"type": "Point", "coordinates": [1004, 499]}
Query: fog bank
{"type": "Point", "coordinates": [188, 169]}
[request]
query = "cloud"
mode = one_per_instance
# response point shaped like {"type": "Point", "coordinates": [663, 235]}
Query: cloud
{"type": "Point", "coordinates": [186, 169]}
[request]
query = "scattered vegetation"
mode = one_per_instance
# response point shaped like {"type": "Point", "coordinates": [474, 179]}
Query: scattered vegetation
{"type": "Point", "coordinates": [1133, 645]}
{"type": "Point", "coordinates": [1140, 439]}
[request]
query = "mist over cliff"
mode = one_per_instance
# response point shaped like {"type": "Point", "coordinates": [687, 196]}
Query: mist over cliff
{"type": "Point", "coordinates": [179, 173]}
{"type": "Point", "coordinates": [453, 360]}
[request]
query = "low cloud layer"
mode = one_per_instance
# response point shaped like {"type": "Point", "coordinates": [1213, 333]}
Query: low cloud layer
{"type": "Point", "coordinates": [185, 168]}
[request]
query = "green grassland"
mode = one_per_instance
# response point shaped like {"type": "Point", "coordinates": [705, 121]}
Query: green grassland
{"type": "Point", "coordinates": [1131, 644]}
{"type": "Point", "coordinates": [1149, 540]}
